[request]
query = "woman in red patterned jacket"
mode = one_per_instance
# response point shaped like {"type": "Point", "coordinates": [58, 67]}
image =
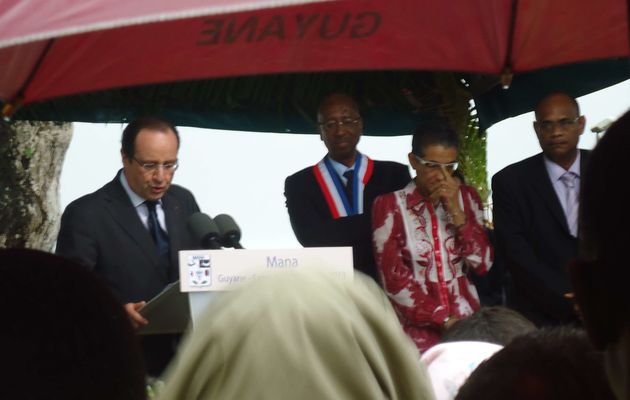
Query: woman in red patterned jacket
{"type": "Point", "coordinates": [428, 236]}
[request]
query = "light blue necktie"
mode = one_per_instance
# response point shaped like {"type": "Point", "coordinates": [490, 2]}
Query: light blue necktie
{"type": "Point", "coordinates": [571, 201]}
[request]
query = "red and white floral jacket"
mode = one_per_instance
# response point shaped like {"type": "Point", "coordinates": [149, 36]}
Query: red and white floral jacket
{"type": "Point", "coordinates": [423, 259]}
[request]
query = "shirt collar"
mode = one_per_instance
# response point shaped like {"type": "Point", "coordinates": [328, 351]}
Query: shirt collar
{"type": "Point", "coordinates": [135, 199]}
{"type": "Point", "coordinates": [555, 171]}
{"type": "Point", "coordinates": [339, 167]}
{"type": "Point", "coordinates": [413, 196]}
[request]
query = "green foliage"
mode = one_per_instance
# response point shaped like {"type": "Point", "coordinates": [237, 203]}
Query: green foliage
{"type": "Point", "coordinates": [472, 155]}
{"type": "Point", "coordinates": [457, 107]}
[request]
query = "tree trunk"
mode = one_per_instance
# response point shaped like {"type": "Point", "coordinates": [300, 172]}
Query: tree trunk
{"type": "Point", "coordinates": [30, 166]}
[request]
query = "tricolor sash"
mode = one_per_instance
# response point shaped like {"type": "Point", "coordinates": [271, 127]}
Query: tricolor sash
{"type": "Point", "coordinates": [333, 190]}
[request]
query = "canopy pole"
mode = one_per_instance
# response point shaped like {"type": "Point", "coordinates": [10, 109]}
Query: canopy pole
{"type": "Point", "coordinates": [11, 106]}
{"type": "Point", "coordinates": [507, 73]}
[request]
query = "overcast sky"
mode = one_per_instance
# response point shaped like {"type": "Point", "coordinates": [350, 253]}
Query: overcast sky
{"type": "Point", "coordinates": [242, 174]}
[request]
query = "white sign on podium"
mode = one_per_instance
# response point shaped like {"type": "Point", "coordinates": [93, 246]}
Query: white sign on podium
{"type": "Point", "coordinates": [203, 273]}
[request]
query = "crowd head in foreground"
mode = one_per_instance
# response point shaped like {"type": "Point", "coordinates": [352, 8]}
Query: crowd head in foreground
{"type": "Point", "coordinates": [601, 276]}
{"type": "Point", "coordinates": [65, 335]}
{"type": "Point", "coordinates": [299, 336]}
{"type": "Point", "coordinates": [547, 364]}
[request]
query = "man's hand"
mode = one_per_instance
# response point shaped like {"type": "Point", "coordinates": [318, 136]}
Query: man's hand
{"type": "Point", "coordinates": [137, 320]}
{"type": "Point", "coordinates": [449, 323]}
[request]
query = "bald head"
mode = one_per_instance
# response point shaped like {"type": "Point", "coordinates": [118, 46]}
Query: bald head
{"type": "Point", "coordinates": [554, 98]}
{"type": "Point", "coordinates": [558, 126]}
{"type": "Point", "coordinates": [336, 99]}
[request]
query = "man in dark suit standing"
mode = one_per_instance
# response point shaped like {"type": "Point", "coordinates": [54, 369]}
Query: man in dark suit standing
{"type": "Point", "coordinates": [535, 213]}
{"type": "Point", "coordinates": [129, 231]}
{"type": "Point", "coordinates": [330, 203]}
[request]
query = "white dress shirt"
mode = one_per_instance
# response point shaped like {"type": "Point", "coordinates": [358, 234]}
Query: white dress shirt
{"type": "Point", "coordinates": [141, 208]}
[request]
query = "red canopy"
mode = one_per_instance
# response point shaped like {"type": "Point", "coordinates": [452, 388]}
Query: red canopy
{"type": "Point", "coordinates": [55, 48]}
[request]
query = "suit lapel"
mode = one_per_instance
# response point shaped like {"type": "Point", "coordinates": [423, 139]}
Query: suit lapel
{"type": "Point", "coordinates": [543, 186]}
{"type": "Point", "coordinates": [373, 187]}
{"type": "Point", "coordinates": [119, 206]}
{"type": "Point", "coordinates": [368, 191]}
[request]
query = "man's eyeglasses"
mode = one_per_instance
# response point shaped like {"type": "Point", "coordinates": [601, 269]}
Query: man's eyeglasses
{"type": "Point", "coordinates": [331, 125]}
{"type": "Point", "coordinates": [168, 167]}
{"type": "Point", "coordinates": [549, 126]}
{"type": "Point", "coordinates": [436, 165]}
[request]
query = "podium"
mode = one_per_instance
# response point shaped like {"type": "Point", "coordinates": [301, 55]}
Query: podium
{"type": "Point", "coordinates": [205, 274]}
{"type": "Point", "coordinates": [168, 312]}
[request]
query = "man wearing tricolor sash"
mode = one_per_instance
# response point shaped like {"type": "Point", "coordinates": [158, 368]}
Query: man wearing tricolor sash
{"type": "Point", "coordinates": [330, 204]}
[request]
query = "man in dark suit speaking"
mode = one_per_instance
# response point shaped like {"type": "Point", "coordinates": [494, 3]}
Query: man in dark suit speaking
{"type": "Point", "coordinates": [535, 213]}
{"type": "Point", "coordinates": [330, 203]}
{"type": "Point", "coordinates": [130, 230]}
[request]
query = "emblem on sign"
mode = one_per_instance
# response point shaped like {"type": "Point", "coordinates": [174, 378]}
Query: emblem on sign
{"type": "Point", "coordinates": [200, 270]}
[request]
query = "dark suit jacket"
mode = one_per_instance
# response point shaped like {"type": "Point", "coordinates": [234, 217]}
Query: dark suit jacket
{"type": "Point", "coordinates": [314, 225]}
{"type": "Point", "coordinates": [103, 231]}
{"type": "Point", "coordinates": [533, 239]}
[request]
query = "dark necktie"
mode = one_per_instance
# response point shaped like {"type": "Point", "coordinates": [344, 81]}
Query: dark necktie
{"type": "Point", "coordinates": [159, 236]}
{"type": "Point", "coordinates": [349, 175]}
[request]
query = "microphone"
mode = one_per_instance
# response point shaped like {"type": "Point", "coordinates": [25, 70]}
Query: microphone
{"type": "Point", "coordinates": [230, 232]}
{"type": "Point", "coordinates": [204, 230]}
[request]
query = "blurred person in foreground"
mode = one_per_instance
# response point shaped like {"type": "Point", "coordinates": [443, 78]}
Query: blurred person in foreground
{"type": "Point", "coordinates": [65, 335]}
{"type": "Point", "coordinates": [450, 364]}
{"type": "Point", "coordinates": [467, 343]}
{"type": "Point", "coordinates": [496, 324]}
{"type": "Point", "coordinates": [546, 364]}
{"type": "Point", "coordinates": [299, 336]}
{"type": "Point", "coordinates": [428, 236]}
{"type": "Point", "coordinates": [600, 278]}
